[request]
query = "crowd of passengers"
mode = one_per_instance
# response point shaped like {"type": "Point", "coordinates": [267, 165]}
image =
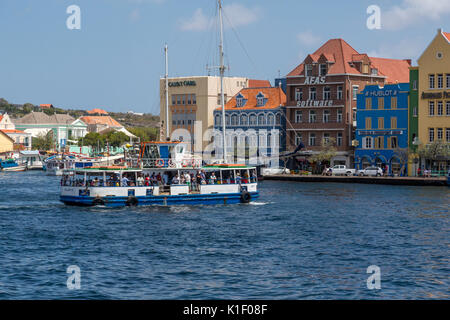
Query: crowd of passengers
{"type": "Point", "coordinates": [193, 180]}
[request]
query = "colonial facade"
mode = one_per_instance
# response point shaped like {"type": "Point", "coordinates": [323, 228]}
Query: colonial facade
{"type": "Point", "coordinates": [382, 128]}
{"type": "Point", "coordinates": [322, 95]}
{"type": "Point", "coordinates": [434, 98]}
{"type": "Point", "coordinates": [22, 140]}
{"type": "Point", "coordinates": [255, 122]}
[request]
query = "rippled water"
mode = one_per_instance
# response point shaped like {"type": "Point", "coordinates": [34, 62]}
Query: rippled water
{"type": "Point", "coordinates": [299, 241]}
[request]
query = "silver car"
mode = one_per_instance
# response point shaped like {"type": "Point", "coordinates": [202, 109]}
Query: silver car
{"type": "Point", "coordinates": [371, 171]}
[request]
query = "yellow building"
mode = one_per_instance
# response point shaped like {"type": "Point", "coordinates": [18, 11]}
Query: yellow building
{"type": "Point", "coordinates": [194, 99]}
{"type": "Point", "coordinates": [434, 96]}
{"type": "Point", "coordinates": [6, 143]}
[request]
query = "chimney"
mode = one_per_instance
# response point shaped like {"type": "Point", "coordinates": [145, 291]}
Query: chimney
{"type": "Point", "coordinates": [409, 61]}
{"type": "Point", "coordinates": [439, 30]}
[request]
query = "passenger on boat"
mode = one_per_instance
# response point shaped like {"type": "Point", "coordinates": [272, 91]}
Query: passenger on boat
{"type": "Point", "coordinates": [175, 180]}
{"type": "Point", "coordinates": [125, 181]}
{"type": "Point", "coordinates": [140, 180]}
{"type": "Point", "coordinates": [159, 179]}
{"type": "Point", "coordinates": [212, 178]}
{"type": "Point", "coordinates": [187, 179]}
{"type": "Point", "coordinates": [238, 178]}
{"type": "Point", "coordinates": [165, 178]}
{"type": "Point", "coordinates": [147, 180]}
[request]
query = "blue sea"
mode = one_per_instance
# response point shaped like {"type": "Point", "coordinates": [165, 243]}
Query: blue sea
{"type": "Point", "coordinates": [298, 241]}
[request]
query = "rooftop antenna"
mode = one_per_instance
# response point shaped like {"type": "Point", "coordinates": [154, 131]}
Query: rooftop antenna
{"type": "Point", "coordinates": [222, 72]}
{"type": "Point", "coordinates": [167, 91]}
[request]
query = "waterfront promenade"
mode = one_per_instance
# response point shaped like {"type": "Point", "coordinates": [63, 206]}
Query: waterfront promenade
{"type": "Point", "coordinates": [405, 181]}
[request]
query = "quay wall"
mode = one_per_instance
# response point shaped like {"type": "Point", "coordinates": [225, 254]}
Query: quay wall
{"type": "Point", "coordinates": [405, 181]}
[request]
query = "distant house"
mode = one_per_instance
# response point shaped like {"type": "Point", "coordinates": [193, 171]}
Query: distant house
{"type": "Point", "coordinates": [6, 143]}
{"type": "Point", "coordinates": [97, 111]}
{"type": "Point", "coordinates": [101, 123]}
{"type": "Point", "coordinates": [46, 106]}
{"type": "Point", "coordinates": [22, 140]}
{"type": "Point", "coordinates": [62, 126]}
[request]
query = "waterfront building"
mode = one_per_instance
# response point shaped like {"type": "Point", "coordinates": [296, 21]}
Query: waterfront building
{"type": "Point", "coordinates": [62, 126]}
{"type": "Point", "coordinates": [6, 122]}
{"type": "Point", "coordinates": [195, 99]}
{"type": "Point", "coordinates": [6, 143]}
{"type": "Point", "coordinates": [413, 121]}
{"type": "Point", "coordinates": [22, 140]}
{"type": "Point", "coordinates": [382, 128]}
{"type": "Point", "coordinates": [255, 125]}
{"type": "Point", "coordinates": [97, 111]}
{"type": "Point", "coordinates": [433, 99]}
{"type": "Point", "coordinates": [104, 124]}
{"type": "Point", "coordinates": [322, 93]}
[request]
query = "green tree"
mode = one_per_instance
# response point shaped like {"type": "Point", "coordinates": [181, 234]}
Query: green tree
{"type": "Point", "coordinates": [327, 151]}
{"type": "Point", "coordinates": [92, 139]}
{"type": "Point", "coordinates": [145, 133]}
{"type": "Point", "coordinates": [43, 142]}
{"type": "Point", "coordinates": [435, 150]}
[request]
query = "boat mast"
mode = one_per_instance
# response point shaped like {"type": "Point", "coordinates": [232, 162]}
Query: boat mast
{"type": "Point", "coordinates": [222, 71]}
{"type": "Point", "coordinates": [167, 92]}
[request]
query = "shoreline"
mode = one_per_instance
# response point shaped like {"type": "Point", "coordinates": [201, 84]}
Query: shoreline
{"type": "Point", "coordinates": [405, 181]}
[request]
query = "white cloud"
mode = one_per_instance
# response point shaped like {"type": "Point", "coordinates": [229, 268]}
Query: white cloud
{"type": "Point", "coordinates": [309, 39]}
{"type": "Point", "coordinates": [234, 14]}
{"type": "Point", "coordinates": [198, 22]}
{"type": "Point", "coordinates": [412, 11]}
{"type": "Point", "coordinates": [404, 49]}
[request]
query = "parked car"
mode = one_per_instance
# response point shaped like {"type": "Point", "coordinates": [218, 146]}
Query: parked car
{"type": "Point", "coordinates": [371, 171]}
{"type": "Point", "coordinates": [340, 170]}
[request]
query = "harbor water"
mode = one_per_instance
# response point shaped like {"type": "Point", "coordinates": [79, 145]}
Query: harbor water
{"type": "Point", "coordinates": [298, 241]}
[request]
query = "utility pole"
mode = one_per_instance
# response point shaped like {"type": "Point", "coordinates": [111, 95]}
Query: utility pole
{"type": "Point", "coordinates": [167, 92]}
{"type": "Point", "coordinates": [222, 72]}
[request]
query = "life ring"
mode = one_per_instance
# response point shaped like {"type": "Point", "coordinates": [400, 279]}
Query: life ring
{"type": "Point", "coordinates": [98, 202]}
{"type": "Point", "coordinates": [159, 163]}
{"type": "Point", "coordinates": [245, 197]}
{"type": "Point", "coordinates": [185, 163]}
{"type": "Point", "coordinates": [132, 201]}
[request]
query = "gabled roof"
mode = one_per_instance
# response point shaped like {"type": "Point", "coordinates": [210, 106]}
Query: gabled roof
{"type": "Point", "coordinates": [105, 120]}
{"type": "Point", "coordinates": [8, 137]}
{"type": "Point", "coordinates": [274, 95]}
{"type": "Point", "coordinates": [96, 110]}
{"type": "Point", "coordinates": [42, 118]}
{"type": "Point", "coordinates": [46, 105]}
{"type": "Point", "coordinates": [253, 83]}
{"type": "Point", "coordinates": [396, 71]}
{"type": "Point", "coordinates": [12, 131]}
{"type": "Point", "coordinates": [344, 56]}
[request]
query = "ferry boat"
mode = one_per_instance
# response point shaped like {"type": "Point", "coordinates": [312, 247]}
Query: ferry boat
{"type": "Point", "coordinates": [121, 186]}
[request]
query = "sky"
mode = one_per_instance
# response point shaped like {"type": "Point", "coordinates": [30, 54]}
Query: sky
{"type": "Point", "coordinates": [116, 58]}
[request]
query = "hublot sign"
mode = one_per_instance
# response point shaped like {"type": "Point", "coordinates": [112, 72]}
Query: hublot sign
{"type": "Point", "coordinates": [436, 95]}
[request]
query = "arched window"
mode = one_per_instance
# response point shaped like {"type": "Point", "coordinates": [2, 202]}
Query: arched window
{"type": "Point", "coordinates": [244, 120]}
{"type": "Point", "coordinates": [253, 120]}
{"type": "Point", "coordinates": [217, 120]}
{"type": "Point", "coordinates": [270, 119]}
{"type": "Point", "coordinates": [278, 118]}
{"type": "Point", "coordinates": [227, 120]}
{"type": "Point", "coordinates": [261, 119]}
{"type": "Point", "coordinates": [234, 120]}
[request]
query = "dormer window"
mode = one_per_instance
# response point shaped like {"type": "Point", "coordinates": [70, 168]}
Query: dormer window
{"type": "Point", "coordinates": [308, 70]}
{"type": "Point", "coordinates": [323, 69]}
{"type": "Point", "coordinates": [374, 71]}
{"type": "Point", "coordinates": [239, 101]}
{"type": "Point", "coordinates": [260, 100]}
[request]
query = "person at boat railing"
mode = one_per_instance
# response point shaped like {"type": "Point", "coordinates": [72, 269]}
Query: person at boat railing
{"type": "Point", "coordinates": [212, 178]}
{"type": "Point", "coordinates": [238, 178]}
{"type": "Point", "coordinates": [176, 179]}
{"type": "Point", "coordinates": [140, 180]}
{"type": "Point", "coordinates": [125, 181]}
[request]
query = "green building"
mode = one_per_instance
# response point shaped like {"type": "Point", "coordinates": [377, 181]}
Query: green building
{"type": "Point", "coordinates": [413, 125]}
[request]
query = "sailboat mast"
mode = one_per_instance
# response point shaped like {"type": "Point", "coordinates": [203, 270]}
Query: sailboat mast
{"type": "Point", "coordinates": [167, 92]}
{"type": "Point", "coordinates": [222, 72]}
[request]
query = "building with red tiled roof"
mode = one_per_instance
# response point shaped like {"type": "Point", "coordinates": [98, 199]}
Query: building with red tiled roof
{"type": "Point", "coordinates": [253, 83]}
{"type": "Point", "coordinates": [255, 125]}
{"type": "Point", "coordinates": [321, 96]}
{"type": "Point", "coordinates": [45, 106]}
{"type": "Point", "coordinates": [97, 111]}
{"type": "Point", "coordinates": [100, 123]}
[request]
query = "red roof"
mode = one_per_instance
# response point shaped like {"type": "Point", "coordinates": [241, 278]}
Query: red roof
{"type": "Point", "coordinates": [274, 95]}
{"type": "Point", "coordinates": [45, 106]}
{"type": "Point", "coordinates": [1, 117]}
{"type": "Point", "coordinates": [396, 71]}
{"type": "Point", "coordinates": [11, 131]}
{"type": "Point", "coordinates": [343, 58]}
{"type": "Point", "coordinates": [252, 83]}
{"type": "Point", "coordinates": [106, 120]}
{"type": "Point", "coordinates": [99, 111]}
{"type": "Point", "coordinates": [447, 35]}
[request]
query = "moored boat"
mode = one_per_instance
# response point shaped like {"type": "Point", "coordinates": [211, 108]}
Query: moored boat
{"type": "Point", "coordinates": [120, 186]}
{"type": "Point", "coordinates": [12, 165]}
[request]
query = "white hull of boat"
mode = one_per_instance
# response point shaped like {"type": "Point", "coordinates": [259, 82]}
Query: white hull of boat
{"type": "Point", "coordinates": [15, 169]}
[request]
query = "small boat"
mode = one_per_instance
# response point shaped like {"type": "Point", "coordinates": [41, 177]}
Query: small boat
{"type": "Point", "coordinates": [121, 186]}
{"type": "Point", "coordinates": [12, 165]}
{"type": "Point", "coordinates": [32, 159]}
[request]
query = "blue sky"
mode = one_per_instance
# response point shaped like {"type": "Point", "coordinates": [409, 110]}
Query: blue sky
{"type": "Point", "coordinates": [116, 59]}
